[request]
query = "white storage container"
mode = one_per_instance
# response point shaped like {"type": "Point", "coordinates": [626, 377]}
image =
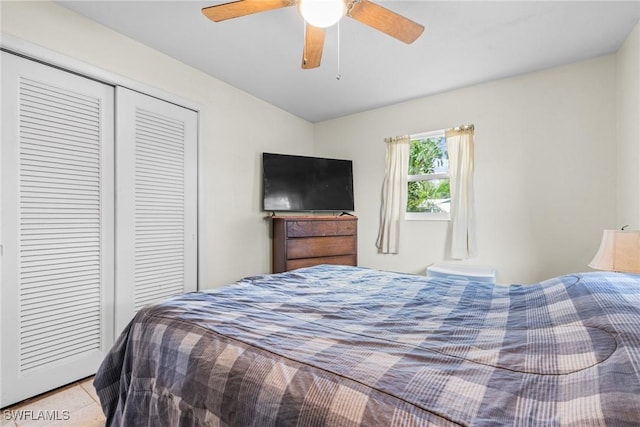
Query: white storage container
{"type": "Point", "coordinates": [472, 273]}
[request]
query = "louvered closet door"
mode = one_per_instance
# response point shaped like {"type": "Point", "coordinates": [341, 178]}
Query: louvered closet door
{"type": "Point", "coordinates": [156, 203]}
{"type": "Point", "coordinates": [56, 294]}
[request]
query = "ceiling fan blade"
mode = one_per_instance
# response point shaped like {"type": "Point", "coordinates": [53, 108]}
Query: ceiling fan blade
{"type": "Point", "coordinates": [384, 20]}
{"type": "Point", "coordinates": [239, 8]}
{"type": "Point", "coordinates": [313, 45]}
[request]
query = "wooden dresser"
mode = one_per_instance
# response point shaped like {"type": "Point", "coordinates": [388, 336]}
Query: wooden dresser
{"type": "Point", "coordinates": [304, 241]}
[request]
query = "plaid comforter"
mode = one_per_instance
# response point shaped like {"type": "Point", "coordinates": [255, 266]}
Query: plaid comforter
{"type": "Point", "coordinates": [347, 346]}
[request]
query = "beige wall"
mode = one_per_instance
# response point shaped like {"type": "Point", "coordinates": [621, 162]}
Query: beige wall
{"type": "Point", "coordinates": [237, 128]}
{"type": "Point", "coordinates": [628, 107]}
{"type": "Point", "coordinates": [545, 170]}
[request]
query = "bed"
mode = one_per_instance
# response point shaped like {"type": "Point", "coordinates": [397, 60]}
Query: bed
{"type": "Point", "coordinates": [349, 346]}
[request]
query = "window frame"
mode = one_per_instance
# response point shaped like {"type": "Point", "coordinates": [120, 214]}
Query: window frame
{"type": "Point", "coordinates": [427, 216]}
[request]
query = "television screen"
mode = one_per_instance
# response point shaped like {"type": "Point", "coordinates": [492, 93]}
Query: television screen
{"type": "Point", "coordinates": [300, 183]}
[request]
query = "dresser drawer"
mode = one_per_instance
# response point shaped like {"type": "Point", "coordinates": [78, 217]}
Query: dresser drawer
{"type": "Point", "coordinates": [311, 247]}
{"type": "Point", "coordinates": [305, 241]}
{"type": "Point", "coordinates": [292, 264]}
{"type": "Point", "coordinates": [321, 228]}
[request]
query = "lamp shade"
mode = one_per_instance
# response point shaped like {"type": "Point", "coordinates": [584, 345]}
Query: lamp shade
{"type": "Point", "coordinates": [619, 251]}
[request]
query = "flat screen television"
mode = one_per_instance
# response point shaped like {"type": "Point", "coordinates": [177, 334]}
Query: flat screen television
{"type": "Point", "coordinates": [301, 183]}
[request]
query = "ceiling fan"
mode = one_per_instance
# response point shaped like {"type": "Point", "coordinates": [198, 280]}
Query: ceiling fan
{"type": "Point", "coordinates": [320, 14]}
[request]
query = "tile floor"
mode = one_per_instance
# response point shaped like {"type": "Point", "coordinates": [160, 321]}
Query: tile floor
{"type": "Point", "coordinates": [75, 405]}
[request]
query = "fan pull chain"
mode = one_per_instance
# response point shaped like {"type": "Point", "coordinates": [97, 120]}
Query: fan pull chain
{"type": "Point", "coordinates": [338, 76]}
{"type": "Point", "coordinates": [304, 39]}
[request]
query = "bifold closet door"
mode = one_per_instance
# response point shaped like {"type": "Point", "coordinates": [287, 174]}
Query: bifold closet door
{"type": "Point", "coordinates": [56, 295]}
{"type": "Point", "coordinates": [156, 202]}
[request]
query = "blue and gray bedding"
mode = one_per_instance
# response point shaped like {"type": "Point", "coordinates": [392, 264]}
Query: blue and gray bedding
{"type": "Point", "coordinates": [349, 346]}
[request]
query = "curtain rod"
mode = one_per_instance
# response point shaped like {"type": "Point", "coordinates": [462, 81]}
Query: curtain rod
{"type": "Point", "coordinates": [397, 138]}
{"type": "Point", "coordinates": [463, 127]}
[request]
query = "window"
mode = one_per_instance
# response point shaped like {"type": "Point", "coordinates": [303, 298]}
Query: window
{"type": "Point", "coordinates": [428, 195]}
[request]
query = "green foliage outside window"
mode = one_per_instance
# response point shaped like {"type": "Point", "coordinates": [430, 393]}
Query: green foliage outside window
{"type": "Point", "coordinates": [424, 158]}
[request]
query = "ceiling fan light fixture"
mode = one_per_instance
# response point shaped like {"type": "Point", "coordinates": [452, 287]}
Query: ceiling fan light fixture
{"type": "Point", "coordinates": [322, 13]}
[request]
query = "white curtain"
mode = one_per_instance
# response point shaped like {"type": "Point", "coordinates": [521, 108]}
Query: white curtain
{"type": "Point", "coordinates": [394, 194]}
{"type": "Point", "coordinates": [463, 230]}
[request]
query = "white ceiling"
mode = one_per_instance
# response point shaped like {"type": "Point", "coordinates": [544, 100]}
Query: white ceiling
{"type": "Point", "coordinates": [464, 43]}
